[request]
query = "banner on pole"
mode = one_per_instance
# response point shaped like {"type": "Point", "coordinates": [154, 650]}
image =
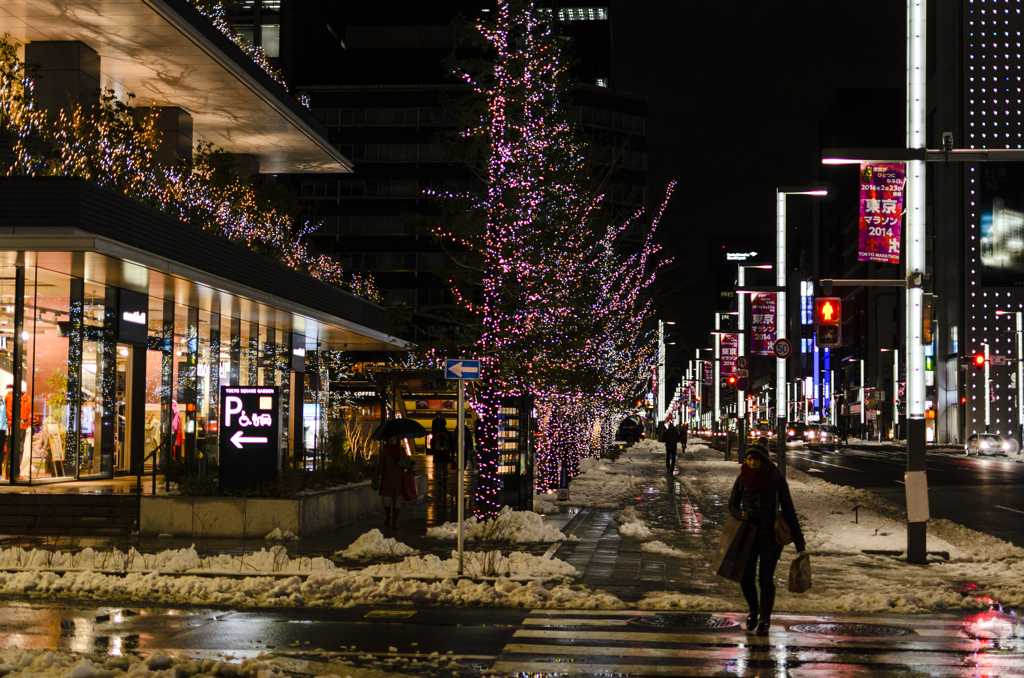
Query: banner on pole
{"type": "Point", "coordinates": [881, 212]}
{"type": "Point", "coordinates": [709, 372]}
{"type": "Point", "coordinates": [762, 324]}
{"type": "Point", "coordinates": [730, 345]}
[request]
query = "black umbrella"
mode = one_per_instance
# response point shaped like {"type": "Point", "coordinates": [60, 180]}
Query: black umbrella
{"type": "Point", "coordinates": [400, 428]}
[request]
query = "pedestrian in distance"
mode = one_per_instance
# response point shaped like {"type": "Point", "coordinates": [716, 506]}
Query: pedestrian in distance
{"type": "Point", "coordinates": [756, 494]}
{"type": "Point", "coordinates": [684, 430]}
{"type": "Point", "coordinates": [441, 447]}
{"type": "Point", "coordinates": [671, 439]}
{"type": "Point", "coordinates": [391, 465]}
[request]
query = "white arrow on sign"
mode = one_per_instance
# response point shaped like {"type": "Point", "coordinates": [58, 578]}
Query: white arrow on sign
{"type": "Point", "coordinates": [238, 439]}
{"type": "Point", "coordinates": [459, 369]}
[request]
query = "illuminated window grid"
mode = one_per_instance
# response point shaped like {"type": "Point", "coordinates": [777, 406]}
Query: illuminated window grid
{"type": "Point", "coordinates": [993, 72]}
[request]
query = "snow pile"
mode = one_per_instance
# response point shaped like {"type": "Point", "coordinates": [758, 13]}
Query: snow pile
{"type": "Point", "coordinates": [508, 526]}
{"type": "Point", "coordinates": [336, 589]}
{"type": "Point", "coordinates": [277, 535]}
{"type": "Point", "coordinates": [545, 503]}
{"type": "Point", "coordinates": [373, 543]}
{"type": "Point", "coordinates": [275, 560]}
{"type": "Point", "coordinates": [603, 483]}
{"type": "Point", "coordinates": [477, 564]}
{"type": "Point", "coordinates": [45, 663]}
{"type": "Point", "coordinates": [630, 524]}
{"type": "Point", "coordinates": [661, 547]}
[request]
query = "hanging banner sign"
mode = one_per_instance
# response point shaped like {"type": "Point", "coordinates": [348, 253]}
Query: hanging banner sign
{"type": "Point", "coordinates": [881, 212]}
{"type": "Point", "coordinates": [730, 345]}
{"type": "Point", "coordinates": [762, 324]}
{"type": "Point", "coordinates": [709, 372]}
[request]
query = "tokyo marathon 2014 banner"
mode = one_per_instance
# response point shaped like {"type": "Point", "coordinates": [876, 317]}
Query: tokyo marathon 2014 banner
{"type": "Point", "coordinates": [709, 372]}
{"type": "Point", "coordinates": [730, 348]}
{"type": "Point", "coordinates": [881, 212]}
{"type": "Point", "coordinates": [762, 324]}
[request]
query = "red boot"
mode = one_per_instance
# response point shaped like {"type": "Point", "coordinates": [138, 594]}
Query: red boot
{"type": "Point", "coordinates": [394, 521]}
{"type": "Point", "coordinates": [387, 515]}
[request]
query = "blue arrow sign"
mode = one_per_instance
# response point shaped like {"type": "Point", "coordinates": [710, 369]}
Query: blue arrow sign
{"type": "Point", "coordinates": [461, 369]}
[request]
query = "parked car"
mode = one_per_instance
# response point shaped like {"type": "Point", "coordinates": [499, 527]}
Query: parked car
{"type": "Point", "coordinates": [989, 444]}
{"type": "Point", "coordinates": [631, 430]}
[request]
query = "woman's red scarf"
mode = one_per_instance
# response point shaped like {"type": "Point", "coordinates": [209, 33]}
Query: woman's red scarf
{"type": "Point", "coordinates": [395, 450]}
{"type": "Point", "coordinates": [755, 481]}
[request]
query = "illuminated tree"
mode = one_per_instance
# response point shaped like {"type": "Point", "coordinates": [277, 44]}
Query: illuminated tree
{"type": "Point", "coordinates": [561, 313]}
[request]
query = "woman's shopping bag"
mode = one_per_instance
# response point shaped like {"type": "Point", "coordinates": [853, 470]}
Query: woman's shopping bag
{"type": "Point", "coordinates": [409, 491]}
{"type": "Point", "coordinates": [734, 548]}
{"type": "Point", "coordinates": [800, 574]}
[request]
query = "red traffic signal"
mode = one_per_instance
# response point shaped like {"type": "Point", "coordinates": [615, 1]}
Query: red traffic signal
{"type": "Point", "coordinates": [978, 360]}
{"type": "Point", "coordinates": [828, 316]}
{"type": "Point", "coordinates": [732, 380]}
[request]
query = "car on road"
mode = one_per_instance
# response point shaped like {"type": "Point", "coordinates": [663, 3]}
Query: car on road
{"type": "Point", "coordinates": [762, 428]}
{"type": "Point", "coordinates": [631, 430]}
{"type": "Point", "coordinates": [812, 432]}
{"type": "Point", "coordinates": [795, 431]}
{"type": "Point", "coordinates": [989, 444]}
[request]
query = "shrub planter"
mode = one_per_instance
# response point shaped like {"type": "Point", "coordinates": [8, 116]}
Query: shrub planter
{"type": "Point", "coordinates": [304, 515]}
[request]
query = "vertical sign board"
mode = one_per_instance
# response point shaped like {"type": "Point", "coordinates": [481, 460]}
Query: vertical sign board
{"type": "Point", "coordinates": [762, 324]}
{"type": "Point", "coordinates": [729, 350]}
{"type": "Point", "coordinates": [881, 212]}
{"type": "Point", "coordinates": [249, 436]}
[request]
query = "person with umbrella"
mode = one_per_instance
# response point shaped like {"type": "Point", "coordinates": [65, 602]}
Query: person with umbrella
{"type": "Point", "coordinates": [391, 464]}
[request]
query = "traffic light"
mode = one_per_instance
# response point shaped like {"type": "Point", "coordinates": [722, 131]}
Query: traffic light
{"type": "Point", "coordinates": [828, 316]}
{"type": "Point", "coordinates": [732, 380]}
{"type": "Point", "coordinates": [978, 361]}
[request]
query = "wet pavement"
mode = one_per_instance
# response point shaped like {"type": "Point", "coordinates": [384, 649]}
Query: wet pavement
{"type": "Point", "coordinates": [459, 643]}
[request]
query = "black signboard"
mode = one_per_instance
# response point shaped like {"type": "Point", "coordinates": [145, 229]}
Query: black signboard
{"type": "Point", "coordinates": [250, 443]}
{"type": "Point", "coordinates": [132, 317]}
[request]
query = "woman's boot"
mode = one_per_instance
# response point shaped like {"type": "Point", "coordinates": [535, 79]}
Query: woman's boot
{"type": "Point", "coordinates": [752, 620]}
{"type": "Point", "coordinates": [387, 515]}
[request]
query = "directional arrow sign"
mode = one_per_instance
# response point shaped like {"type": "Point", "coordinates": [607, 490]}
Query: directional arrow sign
{"type": "Point", "coordinates": [238, 439]}
{"type": "Point", "coordinates": [250, 437]}
{"type": "Point", "coordinates": [461, 369]}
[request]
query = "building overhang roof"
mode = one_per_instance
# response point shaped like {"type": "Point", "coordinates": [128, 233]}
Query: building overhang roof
{"type": "Point", "coordinates": [168, 54]}
{"type": "Point", "coordinates": [73, 227]}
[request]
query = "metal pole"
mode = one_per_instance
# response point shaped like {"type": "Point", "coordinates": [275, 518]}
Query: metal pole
{"type": "Point", "coordinates": [780, 325]}
{"type": "Point", "coordinates": [863, 403]}
{"type": "Point", "coordinates": [832, 397]}
{"type": "Point", "coordinates": [895, 391]}
{"type": "Point", "coordinates": [915, 256]}
{"type": "Point", "coordinates": [717, 371]}
{"type": "Point", "coordinates": [660, 409]}
{"type": "Point", "coordinates": [462, 463]}
{"type": "Point", "coordinates": [741, 396]}
{"type": "Point", "coordinates": [1020, 383]}
{"type": "Point", "coordinates": [988, 394]}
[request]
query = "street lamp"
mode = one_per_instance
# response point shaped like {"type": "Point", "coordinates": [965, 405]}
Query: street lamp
{"type": "Point", "coordinates": [661, 368]}
{"type": "Point", "coordinates": [780, 309]}
{"type": "Point", "coordinates": [1020, 375]}
{"type": "Point", "coordinates": [895, 387]}
{"type": "Point", "coordinates": [741, 402]}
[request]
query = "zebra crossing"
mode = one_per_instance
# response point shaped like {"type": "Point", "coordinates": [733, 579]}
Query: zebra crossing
{"type": "Point", "coordinates": [637, 643]}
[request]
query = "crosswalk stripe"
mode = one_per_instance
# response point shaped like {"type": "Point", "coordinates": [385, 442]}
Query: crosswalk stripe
{"type": "Point", "coordinates": [831, 654]}
{"type": "Point", "coordinates": [789, 617]}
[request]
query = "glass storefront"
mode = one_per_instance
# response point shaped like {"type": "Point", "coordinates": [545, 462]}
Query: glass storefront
{"type": "Point", "coordinates": [89, 395]}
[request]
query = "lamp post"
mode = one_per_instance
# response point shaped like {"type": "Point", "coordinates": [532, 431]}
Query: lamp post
{"type": "Point", "coordinates": [780, 309]}
{"type": "Point", "coordinates": [895, 387]}
{"type": "Point", "coordinates": [741, 401]}
{"type": "Point", "coordinates": [1020, 374]}
{"type": "Point", "coordinates": [660, 409]}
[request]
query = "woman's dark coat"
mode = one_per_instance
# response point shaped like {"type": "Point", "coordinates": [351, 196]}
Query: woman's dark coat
{"type": "Point", "coordinates": [759, 508]}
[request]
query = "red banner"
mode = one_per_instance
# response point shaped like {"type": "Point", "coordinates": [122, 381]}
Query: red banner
{"type": "Point", "coordinates": [762, 324]}
{"type": "Point", "coordinates": [881, 212]}
{"type": "Point", "coordinates": [729, 348]}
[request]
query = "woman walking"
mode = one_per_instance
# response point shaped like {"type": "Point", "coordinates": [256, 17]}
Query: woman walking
{"type": "Point", "coordinates": [755, 495]}
{"type": "Point", "coordinates": [391, 465]}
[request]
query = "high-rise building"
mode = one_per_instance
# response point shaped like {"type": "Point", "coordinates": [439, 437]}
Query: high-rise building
{"type": "Point", "coordinates": [375, 76]}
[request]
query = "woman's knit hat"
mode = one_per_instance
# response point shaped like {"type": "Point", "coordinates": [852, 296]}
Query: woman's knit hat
{"type": "Point", "coordinates": [759, 451]}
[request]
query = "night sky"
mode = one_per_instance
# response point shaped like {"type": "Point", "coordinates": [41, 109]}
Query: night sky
{"type": "Point", "coordinates": [736, 90]}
